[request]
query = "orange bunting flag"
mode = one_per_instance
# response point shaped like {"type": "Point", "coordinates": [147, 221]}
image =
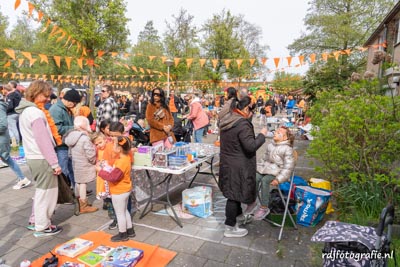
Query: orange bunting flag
{"type": "Point", "coordinates": [289, 61]}
{"type": "Point", "coordinates": [151, 58]}
{"type": "Point", "coordinates": [239, 62]}
{"type": "Point", "coordinates": [36, 76]}
{"type": "Point", "coordinates": [57, 59]}
{"type": "Point", "coordinates": [10, 52]}
{"type": "Point", "coordinates": [126, 55]}
{"type": "Point", "coordinates": [32, 61]}
{"type": "Point", "coordinates": [312, 58]}
{"type": "Point", "coordinates": [53, 31]}
{"type": "Point", "coordinates": [28, 76]}
{"type": "Point", "coordinates": [214, 62]}
{"type": "Point", "coordinates": [347, 52]}
{"type": "Point", "coordinates": [59, 77]}
{"type": "Point", "coordinates": [52, 77]}
{"type": "Point", "coordinates": [90, 62]}
{"type": "Point", "coordinates": [324, 56]}
{"type": "Point", "coordinates": [13, 75]}
{"type": "Point", "coordinates": [301, 60]}
{"type": "Point", "coordinates": [20, 62]}
{"type": "Point", "coordinates": [148, 71]}
{"type": "Point", "coordinates": [134, 68]}
{"type": "Point", "coordinates": [276, 61]}
{"type": "Point", "coordinates": [189, 62]}
{"type": "Point", "coordinates": [227, 62]}
{"type": "Point", "coordinates": [28, 55]}
{"type": "Point", "coordinates": [40, 16]}
{"type": "Point", "coordinates": [7, 65]}
{"type": "Point", "coordinates": [68, 61]}
{"type": "Point", "coordinates": [202, 62]}
{"type": "Point", "coordinates": [336, 54]}
{"type": "Point", "coordinates": [66, 43]}
{"type": "Point", "coordinates": [78, 45]}
{"type": "Point", "coordinates": [31, 7]}
{"type": "Point", "coordinates": [163, 58]}
{"type": "Point", "coordinates": [264, 60]}
{"type": "Point", "coordinates": [126, 66]}
{"type": "Point", "coordinates": [17, 3]}
{"type": "Point", "coordinates": [252, 60]}
{"type": "Point", "coordinates": [141, 70]}
{"type": "Point", "coordinates": [176, 61]}
{"type": "Point", "coordinates": [47, 25]}
{"type": "Point", "coordinates": [84, 51]}
{"type": "Point", "coordinates": [80, 62]}
{"type": "Point", "coordinates": [5, 73]}
{"type": "Point", "coordinates": [61, 37]}
{"type": "Point", "coordinates": [114, 54]}
{"type": "Point", "coordinates": [363, 49]}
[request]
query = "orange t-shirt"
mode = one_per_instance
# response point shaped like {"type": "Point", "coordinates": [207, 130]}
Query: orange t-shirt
{"type": "Point", "coordinates": [125, 184]}
{"type": "Point", "coordinates": [171, 105]}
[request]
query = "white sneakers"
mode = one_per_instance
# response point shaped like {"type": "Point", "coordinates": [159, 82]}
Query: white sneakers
{"type": "Point", "coordinates": [235, 231]}
{"type": "Point", "coordinates": [22, 183]}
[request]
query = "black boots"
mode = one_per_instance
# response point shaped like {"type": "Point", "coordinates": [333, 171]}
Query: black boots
{"type": "Point", "coordinates": [130, 232]}
{"type": "Point", "coordinates": [120, 237]}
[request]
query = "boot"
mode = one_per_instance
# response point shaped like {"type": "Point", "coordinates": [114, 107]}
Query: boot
{"type": "Point", "coordinates": [84, 207]}
{"type": "Point", "coordinates": [130, 232]}
{"type": "Point", "coordinates": [235, 231]}
{"type": "Point", "coordinates": [120, 237]}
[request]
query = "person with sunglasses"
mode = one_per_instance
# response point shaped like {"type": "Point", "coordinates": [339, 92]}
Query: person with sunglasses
{"type": "Point", "coordinates": [108, 108]}
{"type": "Point", "coordinates": [160, 119]}
{"type": "Point", "coordinates": [237, 173]}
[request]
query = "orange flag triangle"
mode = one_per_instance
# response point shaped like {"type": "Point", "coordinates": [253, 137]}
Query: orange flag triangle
{"type": "Point", "coordinates": [276, 61]}
{"type": "Point", "coordinates": [264, 60]}
{"type": "Point", "coordinates": [134, 68]}
{"type": "Point", "coordinates": [40, 16]}
{"type": "Point", "coordinates": [289, 61]}
{"type": "Point", "coordinates": [17, 3]}
{"type": "Point", "coordinates": [239, 62]}
{"type": "Point", "coordinates": [189, 62]}
{"type": "Point", "coordinates": [176, 61]}
{"type": "Point", "coordinates": [57, 59]}
{"type": "Point", "coordinates": [114, 54]}
{"type": "Point", "coordinates": [227, 62]}
{"type": "Point", "coordinates": [336, 54]}
{"type": "Point", "coordinates": [10, 52]}
{"type": "Point", "coordinates": [13, 75]}
{"type": "Point", "coordinates": [20, 62]}
{"type": "Point", "coordinates": [53, 31]}
{"type": "Point", "coordinates": [214, 62]}
{"type": "Point", "coordinates": [47, 25]}
{"type": "Point", "coordinates": [80, 62]}
{"type": "Point", "coordinates": [151, 58]}
{"type": "Point", "coordinates": [31, 7]}
{"type": "Point", "coordinates": [28, 55]}
{"type": "Point", "coordinates": [100, 53]}
{"type": "Point", "coordinates": [7, 65]}
{"type": "Point", "coordinates": [163, 58]}
{"type": "Point", "coordinates": [324, 56]}
{"type": "Point", "coordinates": [202, 62]}
{"type": "Point", "coordinates": [312, 58]}
{"type": "Point", "coordinates": [301, 59]}
{"type": "Point", "coordinates": [252, 60]}
{"type": "Point", "coordinates": [32, 61]}
{"type": "Point", "coordinates": [68, 61]}
{"type": "Point", "coordinates": [36, 76]}
{"type": "Point", "coordinates": [61, 37]}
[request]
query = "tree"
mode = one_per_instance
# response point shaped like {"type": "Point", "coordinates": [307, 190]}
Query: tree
{"type": "Point", "coordinates": [337, 26]}
{"type": "Point", "coordinates": [5, 43]}
{"type": "Point", "coordinates": [99, 25]}
{"type": "Point", "coordinates": [285, 82]}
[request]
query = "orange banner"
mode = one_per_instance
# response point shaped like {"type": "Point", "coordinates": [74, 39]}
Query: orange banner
{"type": "Point", "coordinates": [276, 61]}
{"type": "Point", "coordinates": [57, 59]}
{"type": "Point", "coordinates": [312, 58]}
{"type": "Point", "coordinates": [68, 61]}
{"type": "Point", "coordinates": [100, 53]}
{"type": "Point", "coordinates": [16, 4]}
{"type": "Point", "coordinates": [40, 16]}
{"type": "Point", "coordinates": [289, 61]}
{"type": "Point", "coordinates": [151, 58]}
{"type": "Point", "coordinates": [176, 61]}
{"type": "Point", "coordinates": [80, 62]}
{"type": "Point", "coordinates": [239, 62]}
{"type": "Point", "coordinates": [214, 62]}
{"type": "Point", "coordinates": [252, 60]}
{"type": "Point", "coordinates": [301, 60]}
{"type": "Point", "coordinates": [20, 62]}
{"type": "Point", "coordinates": [202, 62]}
{"type": "Point", "coordinates": [264, 60]}
{"type": "Point", "coordinates": [10, 52]}
{"type": "Point", "coordinates": [32, 61]}
{"type": "Point", "coordinates": [31, 7]}
{"type": "Point", "coordinates": [28, 55]}
{"type": "Point", "coordinates": [8, 64]}
{"type": "Point", "coordinates": [227, 62]}
{"type": "Point", "coordinates": [189, 62]}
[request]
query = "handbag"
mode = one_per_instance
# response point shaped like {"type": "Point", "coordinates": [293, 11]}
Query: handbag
{"type": "Point", "coordinates": [65, 194]}
{"type": "Point", "coordinates": [159, 114]}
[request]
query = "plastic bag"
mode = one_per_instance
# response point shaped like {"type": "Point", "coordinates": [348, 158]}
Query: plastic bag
{"type": "Point", "coordinates": [197, 201]}
{"type": "Point", "coordinates": [322, 184]}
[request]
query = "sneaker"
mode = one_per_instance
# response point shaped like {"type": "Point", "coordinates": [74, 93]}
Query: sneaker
{"type": "Point", "coordinates": [51, 230]}
{"type": "Point", "coordinates": [250, 208]}
{"type": "Point", "coordinates": [131, 232]}
{"type": "Point", "coordinates": [261, 213]}
{"type": "Point", "coordinates": [113, 225]}
{"type": "Point", "coordinates": [243, 219]}
{"type": "Point", "coordinates": [22, 183]}
{"type": "Point", "coordinates": [235, 231]}
{"type": "Point", "coordinates": [31, 226]}
{"type": "Point", "coordinates": [120, 237]}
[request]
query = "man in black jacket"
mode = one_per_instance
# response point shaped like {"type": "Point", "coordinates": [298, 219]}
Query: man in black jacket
{"type": "Point", "coordinates": [13, 98]}
{"type": "Point", "coordinates": [175, 105]}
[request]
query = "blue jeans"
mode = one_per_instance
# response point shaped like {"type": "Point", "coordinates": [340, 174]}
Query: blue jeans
{"type": "Point", "coordinates": [65, 163]}
{"type": "Point", "coordinates": [198, 135]}
{"type": "Point", "coordinates": [14, 167]}
{"type": "Point", "coordinates": [12, 120]}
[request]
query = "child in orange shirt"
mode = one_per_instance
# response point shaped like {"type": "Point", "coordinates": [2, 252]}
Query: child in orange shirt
{"type": "Point", "coordinates": [119, 178]}
{"type": "Point", "coordinates": [102, 189]}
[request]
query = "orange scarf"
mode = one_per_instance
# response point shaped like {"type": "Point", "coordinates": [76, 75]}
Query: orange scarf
{"type": "Point", "coordinates": [50, 121]}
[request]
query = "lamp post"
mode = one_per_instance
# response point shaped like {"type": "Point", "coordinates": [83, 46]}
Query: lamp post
{"type": "Point", "coordinates": [169, 63]}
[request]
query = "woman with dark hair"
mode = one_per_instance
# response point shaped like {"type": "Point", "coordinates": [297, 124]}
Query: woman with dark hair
{"type": "Point", "coordinates": [230, 102]}
{"type": "Point", "coordinates": [237, 179]}
{"type": "Point", "coordinates": [108, 108]}
{"type": "Point", "coordinates": [159, 119]}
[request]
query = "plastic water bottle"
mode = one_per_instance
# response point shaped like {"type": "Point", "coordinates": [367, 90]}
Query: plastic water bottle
{"type": "Point", "coordinates": [21, 151]}
{"type": "Point", "coordinates": [25, 263]}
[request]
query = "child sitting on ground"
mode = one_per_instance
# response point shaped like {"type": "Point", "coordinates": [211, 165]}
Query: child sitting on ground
{"type": "Point", "coordinates": [275, 167]}
{"type": "Point", "coordinates": [119, 178]}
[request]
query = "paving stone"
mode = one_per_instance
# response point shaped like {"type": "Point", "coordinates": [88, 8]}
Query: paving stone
{"type": "Point", "coordinates": [211, 263]}
{"type": "Point", "coordinates": [15, 257]}
{"type": "Point", "coordinates": [209, 234]}
{"type": "Point", "coordinates": [214, 251]}
{"type": "Point", "coordinates": [142, 233]}
{"type": "Point", "coordinates": [189, 229]}
{"type": "Point", "coordinates": [186, 244]}
{"type": "Point", "coordinates": [243, 257]}
{"type": "Point", "coordinates": [187, 260]}
{"type": "Point", "coordinates": [264, 245]}
{"type": "Point", "coordinates": [161, 238]}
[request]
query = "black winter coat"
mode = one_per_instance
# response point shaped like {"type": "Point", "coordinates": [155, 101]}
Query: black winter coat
{"type": "Point", "coordinates": [237, 174]}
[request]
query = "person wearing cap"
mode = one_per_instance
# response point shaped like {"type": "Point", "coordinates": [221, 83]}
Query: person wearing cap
{"type": "Point", "coordinates": [62, 113]}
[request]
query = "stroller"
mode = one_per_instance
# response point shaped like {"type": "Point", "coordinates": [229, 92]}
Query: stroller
{"type": "Point", "coordinates": [182, 133]}
{"type": "Point", "coordinates": [355, 245]}
{"type": "Point", "coordinates": [140, 135]}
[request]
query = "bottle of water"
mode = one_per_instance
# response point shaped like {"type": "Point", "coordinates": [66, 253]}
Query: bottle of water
{"type": "Point", "coordinates": [21, 151]}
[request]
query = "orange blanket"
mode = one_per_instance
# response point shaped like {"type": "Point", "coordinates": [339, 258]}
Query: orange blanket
{"type": "Point", "coordinates": [154, 256]}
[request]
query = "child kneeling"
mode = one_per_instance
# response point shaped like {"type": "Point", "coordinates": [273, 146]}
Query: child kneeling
{"type": "Point", "coordinates": [275, 167]}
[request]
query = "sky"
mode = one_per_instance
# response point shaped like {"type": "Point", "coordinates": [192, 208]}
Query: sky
{"type": "Point", "coordinates": [281, 21]}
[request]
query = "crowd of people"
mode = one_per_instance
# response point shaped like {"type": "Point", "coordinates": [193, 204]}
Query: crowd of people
{"type": "Point", "coordinates": [60, 135]}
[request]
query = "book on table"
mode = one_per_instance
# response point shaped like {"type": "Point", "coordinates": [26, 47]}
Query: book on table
{"type": "Point", "coordinates": [123, 256]}
{"type": "Point", "coordinates": [95, 257]}
{"type": "Point", "coordinates": [72, 264]}
{"type": "Point", "coordinates": [74, 247]}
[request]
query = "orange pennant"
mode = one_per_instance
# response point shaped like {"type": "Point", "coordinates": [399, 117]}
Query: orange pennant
{"type": "Point", "coordinates": [163, 58]}
{"type": "Point", "coordinates": [47, 25]}
{"type": "Point", "coordinates": [17, 3]}
{"type": "Point", "coordinates": [202, 62]}
{"type": "Point", "coordinates": [68, 61]}
{"type": "Point", "coordinates": [276, 61]}
{"type": "Point", "coordinates": [325, 56]}
{"type": "Point", "coordinates": [53, 31]}
{"type": "Point", "coordinates": [43, 58]}
{"type": "Point", "coordinates": [36, 76]}
{"type": "Point", "coordinates": [40, 16]}
{"type": "Point", "coordinates": [301, 60]}
{"type": "Point", "coordinates": [134, 68]}
{"type": "Point", "coordinates": [28, 55]}
{"type": "Point", "coordinates": [7, 65]}
{"type": "Point", "coordinates": [61, 37]}
{"type": "Point", "coordinates": [239, 62]}
{"type": "Point", "coordinates": [114, 54]}
{"type": "Point", "coordinates": [214, 63]}
{"type": "Point", "coordinates": [79, 61]}
{"type": "Point", "coordinates": [20, 62]}
{"type": "Point", "coordinates": [312, 58]}
{"type": "Point", "coordinates": [227, 62]}
{"type": "Point", "coordinates": [289, 61]}
{"type": "Point", "coordinates": [100, 53]}
{"type": "Point", "coordinates": [176, 61]}
{"type": "Point", "coordinates": [32, 61]}
{"type": "Point", "coordinates": [252, 60]}
{"type": "Point", "coordinates": [13, 75]}
{"type": "Point", "coordinates": [57, 59]}
{"type": "Point", "coordinates": [264, 60]}
{"type": "Point", "coordinates": [189, 62]}
{"type": "Point", "coordinates": [84, 51]}
{"type": "Point", "coordinates": [141, 70]}
{"type": "Point", "coordinates": [336, 54]}
{"type": "Point", "coordinates": [151, 58]}
{"type": "Point", "coordinates": [126, 55]}
{"type": "Point", "coordinates": [10, 52]}
{"type": "Point", "coordinates": [6, 73]}
{"type": "Point", "coordinates": [31, 7]}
